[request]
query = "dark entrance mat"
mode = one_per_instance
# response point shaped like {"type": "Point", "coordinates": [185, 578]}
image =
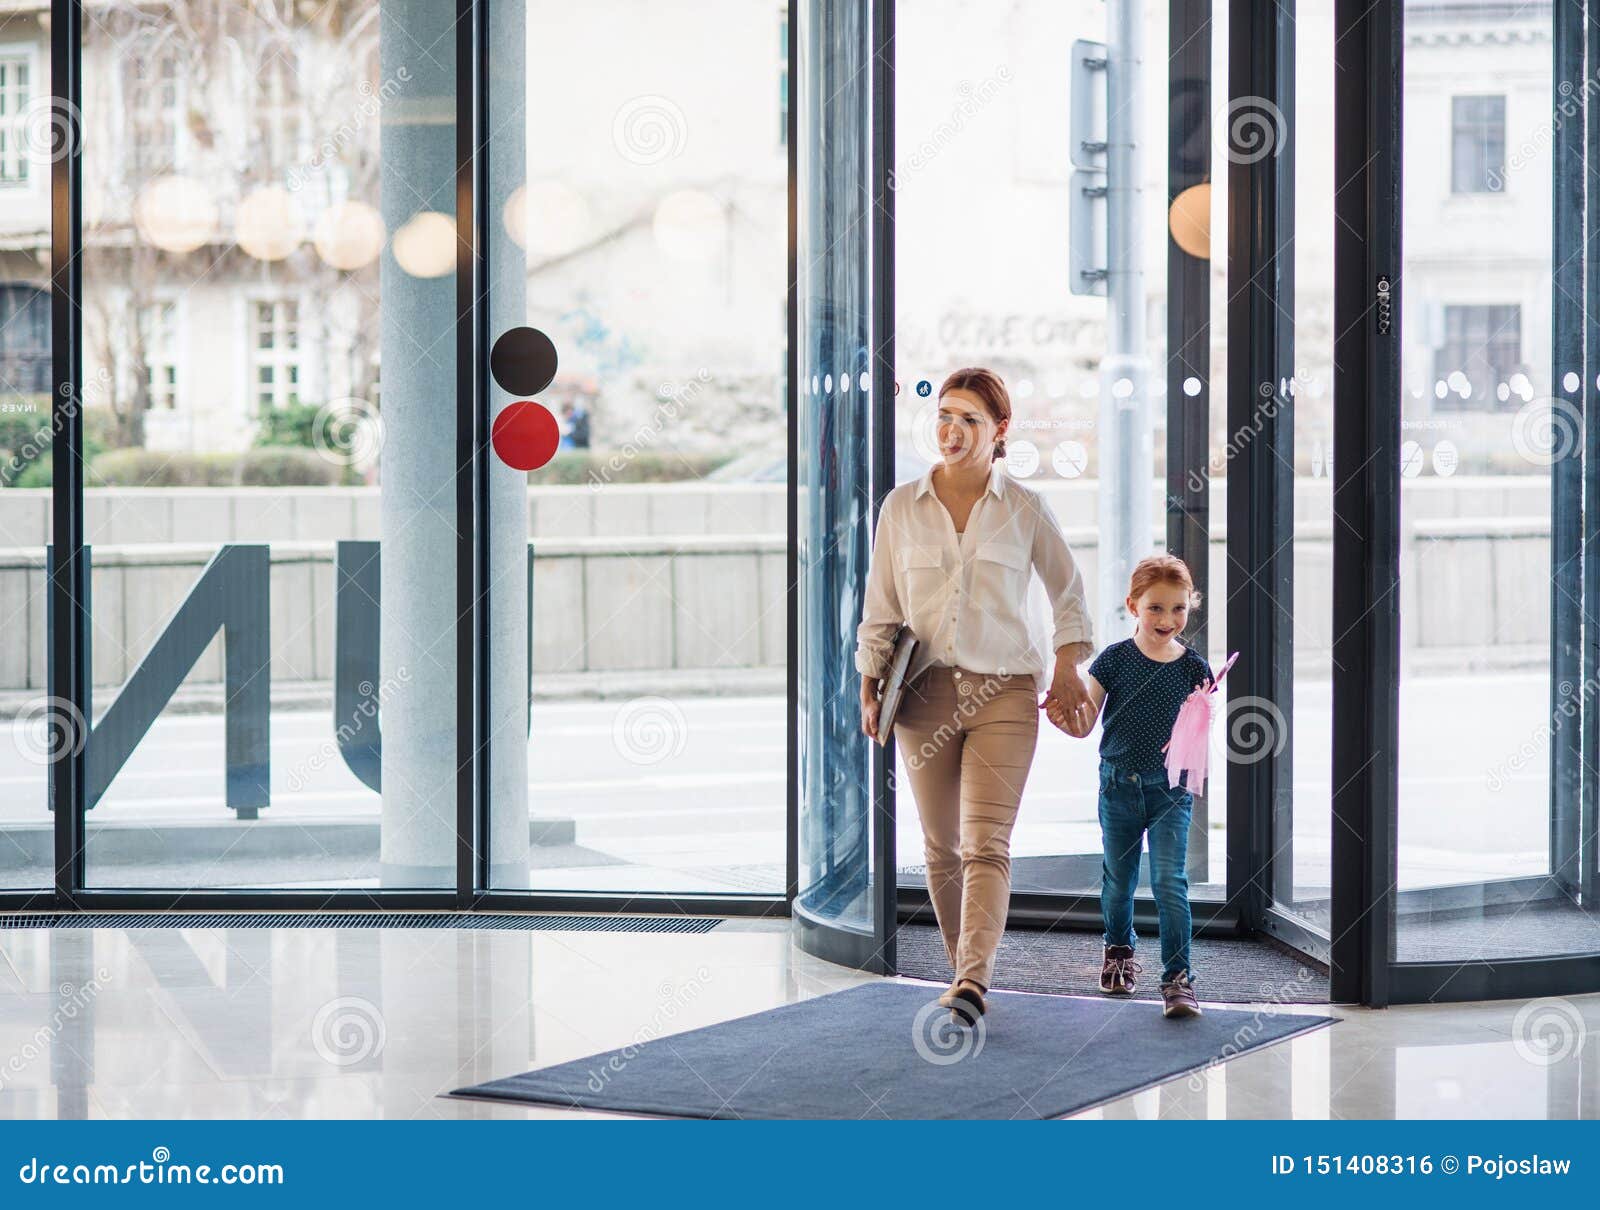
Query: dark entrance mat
{"type": "Point", "coordinates": [887, 1050]}
{"type": "Point", "coordinates": [1230, 970]}
{"type": "Point", "coordinates": [1051, 874]}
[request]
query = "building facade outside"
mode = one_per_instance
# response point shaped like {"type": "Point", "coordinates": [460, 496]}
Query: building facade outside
{"type": "Point", "coordinates": [214, 131]}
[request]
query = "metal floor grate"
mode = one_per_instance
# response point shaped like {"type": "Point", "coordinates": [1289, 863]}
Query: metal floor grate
{"type": "Point", "coordinates": [515, 921]}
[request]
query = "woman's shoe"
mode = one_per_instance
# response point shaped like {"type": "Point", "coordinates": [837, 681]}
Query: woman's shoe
{"type": "Point", "coordinates": [965, 1002]}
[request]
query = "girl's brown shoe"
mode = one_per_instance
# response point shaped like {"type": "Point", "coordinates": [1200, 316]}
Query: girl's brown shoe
{"type": "Point", "coordinates": [1117, 971]}
{"type": "Point", "coordinates": [1178, 997]}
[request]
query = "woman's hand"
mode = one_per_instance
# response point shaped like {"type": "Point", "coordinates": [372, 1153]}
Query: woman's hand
{"type": "Point", "coordinates": [870, 705]}
{"type": "Point", "coordinates": [1067, 687]}
{"type": "Point", "coordinates": [1069, 705]}
{"type": "Point", "coordinates": [1076, 723]}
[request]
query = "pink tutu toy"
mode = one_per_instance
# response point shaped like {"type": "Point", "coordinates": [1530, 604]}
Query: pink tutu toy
{"type": "Point", "coordinates": [1189, 749]}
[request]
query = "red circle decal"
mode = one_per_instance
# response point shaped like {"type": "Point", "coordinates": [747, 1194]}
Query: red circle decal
{"type": "Point", "coordinates": [525, 435]}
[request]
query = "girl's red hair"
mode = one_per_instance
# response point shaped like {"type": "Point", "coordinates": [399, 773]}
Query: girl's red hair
{"type": "Point", "coordinates": [1162, 569]}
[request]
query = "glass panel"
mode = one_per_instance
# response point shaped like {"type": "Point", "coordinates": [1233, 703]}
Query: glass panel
{"type": "Point", "coordinates": [1302, 871]}
{"type": "Point", "coordinates": [38, 723]}
{"type": "Point", "coordinates": [639, 220]}
{"type": "Point", "coordinates": [983, 194]}
{"type": "Point", "coordinates": [834, 493]}
{"type": "Point", "coordinates": [1482, 423]}
{"type": "Point", "coordinates": [244, 642]}
{"type": "Point", "coordinates": [1209, 881]}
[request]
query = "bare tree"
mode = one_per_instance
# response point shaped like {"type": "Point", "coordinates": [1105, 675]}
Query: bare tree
{"type": "Point", "coordinates": [235, 94]}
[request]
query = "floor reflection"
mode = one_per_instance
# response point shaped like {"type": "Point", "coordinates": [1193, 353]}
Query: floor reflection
{"type": "Point", "coordinates": [220, 1022]}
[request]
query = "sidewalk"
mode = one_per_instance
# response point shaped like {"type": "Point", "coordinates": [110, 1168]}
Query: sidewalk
{"type": "Point", "coordinates": [206, 698]}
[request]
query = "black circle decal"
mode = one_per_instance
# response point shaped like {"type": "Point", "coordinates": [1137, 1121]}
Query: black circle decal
{"type": "Point", "coordinates": [523, 361]}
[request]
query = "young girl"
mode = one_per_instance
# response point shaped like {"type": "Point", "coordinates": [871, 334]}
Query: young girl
{"type": "Point", "coordinates": [1138, 685]}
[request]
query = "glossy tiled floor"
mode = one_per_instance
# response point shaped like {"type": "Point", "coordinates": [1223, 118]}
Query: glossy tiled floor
{"type": "Point", "coordinates": [247, 1023]}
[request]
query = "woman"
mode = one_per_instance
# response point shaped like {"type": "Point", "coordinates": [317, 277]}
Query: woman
{"type": "Point", "coordinates": [952, 559]}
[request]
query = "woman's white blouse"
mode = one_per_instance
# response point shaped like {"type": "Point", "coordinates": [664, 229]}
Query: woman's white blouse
{"type": "Point", "coordinates": [965, 596]}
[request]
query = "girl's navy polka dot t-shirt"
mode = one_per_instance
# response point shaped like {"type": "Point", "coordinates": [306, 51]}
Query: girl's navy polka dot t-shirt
{"type": "Point", "coordinates": [1142, 701]}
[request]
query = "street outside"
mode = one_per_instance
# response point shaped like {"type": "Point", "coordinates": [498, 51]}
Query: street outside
{"type": "Point", "coordinates": [688, 795]}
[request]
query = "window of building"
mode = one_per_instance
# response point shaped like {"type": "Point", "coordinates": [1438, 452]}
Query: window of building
{"type": "Point", "coordinates": [153, 110]}
{"type": "Point", "coordinates": [1482, 350]}
{"type": "Point", "coordinates": [24, 340]}
{"type": "Point", "coordinates": [158, 324]}
{"type": "Point", "coordinates": [275, 353]}
{"type": "Point", "coordinates": [783, 77]}
{"type": "Point", "coordinates": [1478, 144]}
{"type": "Point", "coordinates": [14, 98]}
{"type": "Point", "coordinates": [279, 116]}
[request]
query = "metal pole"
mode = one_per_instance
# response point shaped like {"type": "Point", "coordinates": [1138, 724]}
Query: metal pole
{"type": "Point", "coordinates": [69, 716]}
{"type": "Point", "coordinates": [1126, 458]}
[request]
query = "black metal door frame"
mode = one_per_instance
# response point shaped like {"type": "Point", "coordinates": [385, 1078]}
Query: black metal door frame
{"type": "Point", "coordinates": [875, 949]}
{"type": "Point", "coordinates": [1588, 741]}
{"type": "Point", "coordinates": [1366, 495]}
{"type": "Point", "coordinates": [69, 582]}
{"type": "Point", "coordinates": [1368, 291]}
{"type": "Point", "coordinates": [1261, 470]}
{"type": "Point", "coordinates": [1261, 37]}
{"type": "Point", "coordinates": [474, 890]}
{"type": "Point", "coordinates": [885, 866]}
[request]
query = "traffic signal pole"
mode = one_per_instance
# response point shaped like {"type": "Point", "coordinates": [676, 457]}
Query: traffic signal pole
{"type": "Point", "coordinates": [1126, 457]}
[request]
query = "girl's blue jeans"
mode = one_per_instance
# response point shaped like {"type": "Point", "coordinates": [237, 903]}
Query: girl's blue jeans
{"type": "Point", "coordinates": [1132, 804]}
